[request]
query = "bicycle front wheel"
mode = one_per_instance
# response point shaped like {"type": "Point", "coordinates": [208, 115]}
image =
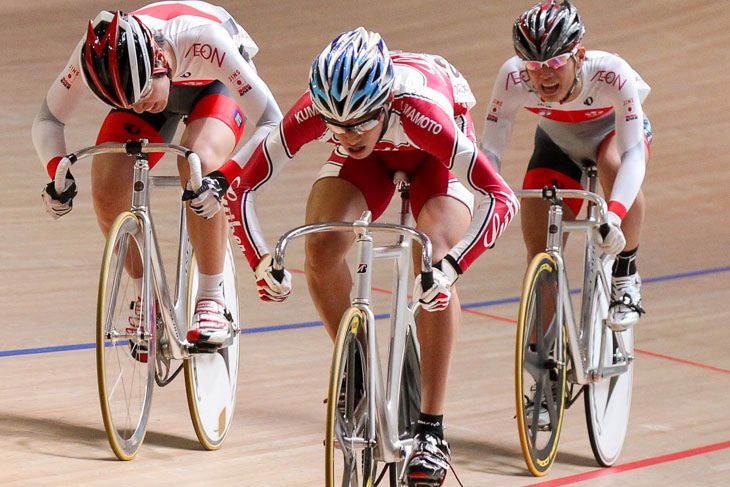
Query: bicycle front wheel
{"type": "Point", "coordinates": [125, 340]}
{"type": "Point", "coordinates": [211, 379]}
{"type": "Point", "coordinates": [608, 400]}
{"type": "Point", "coordinates": [540, 374]}
{"type": "Point", "coordinates": [349, 426]}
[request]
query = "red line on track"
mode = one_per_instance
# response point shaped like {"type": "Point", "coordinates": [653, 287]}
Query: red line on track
{"type": "Point", "coordinates": [509, 320]}
{"type": "Point", "coordinates": [479, 313]}
{"type": "Point", "coordinates": [682, 361]}
{"type": "Point", "coordinates": [632, 466]}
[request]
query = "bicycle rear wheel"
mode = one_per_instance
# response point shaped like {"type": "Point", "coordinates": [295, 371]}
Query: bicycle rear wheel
{"type": "Point", "coordinates": [539, 377]}
{"type": "Point", "coordinates": [349, 426]}
{"type": "Point", "coordinates": [125, 350]}
{"type": "Point", "coordinates": [608, 401]}
{"type": "Point", "coordinates": [409, 401]}
{"type": "Point", "coordinates": [211, 379]}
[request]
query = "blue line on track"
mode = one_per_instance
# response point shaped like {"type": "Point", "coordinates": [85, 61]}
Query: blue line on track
{"type": "Point", "coordinates": [311, 324]}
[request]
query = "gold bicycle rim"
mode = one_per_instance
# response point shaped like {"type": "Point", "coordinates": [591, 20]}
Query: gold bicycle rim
{"type": "Point", "coordinates": [100, 349]}
{"type": "Point", "coordinates": [224, 422]}
{"type": "Point", "coordinates": [528, 287]}
{"type": "Point", "coordinates": [332, 395]}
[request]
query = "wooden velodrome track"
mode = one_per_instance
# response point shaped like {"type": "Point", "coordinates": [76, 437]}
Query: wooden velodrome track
{"type": "Point", "coordinates": [51, 432]}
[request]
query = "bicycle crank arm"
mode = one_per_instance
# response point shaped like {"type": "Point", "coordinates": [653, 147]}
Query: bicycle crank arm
{"type": "Point", "coordinates": [608, 372]}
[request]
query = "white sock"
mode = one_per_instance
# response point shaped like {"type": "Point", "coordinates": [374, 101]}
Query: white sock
{"type": "Point", "coordinates": [210, 286]}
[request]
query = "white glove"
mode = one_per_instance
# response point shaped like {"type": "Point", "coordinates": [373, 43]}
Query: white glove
{"type": "Point", "coordinates": [270, 288]}
{"type": "Point", "coordinates": [56, 205]}
{"type": "Point", "coordinates": [206, 201]}
{"type": "Point", "coordinates": [614, 241]}
{"type": "Point", "coordinates": [436, 298]}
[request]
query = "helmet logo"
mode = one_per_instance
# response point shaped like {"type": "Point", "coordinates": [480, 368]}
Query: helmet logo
{"type": "Point", "coordinates": [352, 77]}
{"type": "Point", "coordinates": [98, 45]}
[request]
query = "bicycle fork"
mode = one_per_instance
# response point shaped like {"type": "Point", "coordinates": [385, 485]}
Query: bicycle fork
{"type": "Point", "coordinates": [382, 407]}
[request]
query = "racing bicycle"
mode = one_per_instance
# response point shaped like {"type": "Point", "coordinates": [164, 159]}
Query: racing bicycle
{"type": "Point", "coordinates": [134, 354]}
{"type": "Point", "coordinates": [370, 419]}
{"type": "Point", "coordinates": [561, 354]}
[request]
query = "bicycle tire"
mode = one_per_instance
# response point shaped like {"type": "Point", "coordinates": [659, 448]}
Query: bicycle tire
{"type": "Point", "coordinates": [124, 380]}
{"type": "Point", "coordinates": [211, 379]}
{"type": "Point", "coordinates": [607, 402]}
{"type": "Point", "coordinates": [349, 418]}
{"type": "Point", "coordinates": [539, 379]}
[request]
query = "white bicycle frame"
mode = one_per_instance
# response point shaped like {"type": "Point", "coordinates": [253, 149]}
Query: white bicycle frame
{"type": "Point", "coordinates": [594, 266]}
{"type": "Point", "coordinates": [384, 401]}
{"type": "Point", "coordinates": [174, 311]}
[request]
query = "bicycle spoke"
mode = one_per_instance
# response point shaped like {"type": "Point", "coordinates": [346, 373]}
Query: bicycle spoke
{"type": "Point", "coordinates": [125, 358]}
{"type": "Point", "coordinates": [538, 374]}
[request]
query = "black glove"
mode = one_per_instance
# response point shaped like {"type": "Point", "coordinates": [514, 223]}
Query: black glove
{"type": "Point", "coordinates": [206, 201]}
{"type": "Point", "coordinates": [58, 205]}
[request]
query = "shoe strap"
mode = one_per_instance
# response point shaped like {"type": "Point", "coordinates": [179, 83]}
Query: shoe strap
{"type": "Point", "coordinates": [627, 301]}
{"type": "Point", "coordinates": [211, 311]}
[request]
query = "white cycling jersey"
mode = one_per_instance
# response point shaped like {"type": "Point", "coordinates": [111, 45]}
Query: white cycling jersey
{"type": "Point", "coordinates": [208, 45]}
{"type": "Point", "coordinates": [610, 99]}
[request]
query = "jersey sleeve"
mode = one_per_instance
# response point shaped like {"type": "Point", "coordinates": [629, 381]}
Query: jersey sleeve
{"type": "Point", "coordinates": [434, 130]}
{"type": "Point", "coordinates": [240, 77]}
{"type": "Point", "coordinates": [299, 126]}
{"type": "Point", "coordinates": [629, 120]}
{"type": "Point", "coordinates": [507, 94]}
{"type": "Point", "coordinates": [62, 98]}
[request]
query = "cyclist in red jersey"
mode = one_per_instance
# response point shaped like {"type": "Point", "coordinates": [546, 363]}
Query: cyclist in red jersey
{"type": "Point", "coordinates": [383, 112]}
{"type": "Point", "coordinates": [156, 66]}
{"type": "Point", "coordinates": [589, 105]}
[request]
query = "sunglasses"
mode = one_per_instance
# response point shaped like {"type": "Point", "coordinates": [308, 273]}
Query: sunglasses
{"type": "Point", "coordinates": [357, 128]}
{"type": "Point", "coordinates": [552, 63]}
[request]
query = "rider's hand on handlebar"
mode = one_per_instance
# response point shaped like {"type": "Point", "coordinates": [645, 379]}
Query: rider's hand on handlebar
{"type": "Point", "coordinates": [206, 201]}
{"type": "Point", "coordinates": [58, 205]}
{"type": "Point", "coordinates": [270, 288]}
{"type": "Point", "coordinates": [609, 237]}
{"type": "Point", "coordinates": [437, 297]}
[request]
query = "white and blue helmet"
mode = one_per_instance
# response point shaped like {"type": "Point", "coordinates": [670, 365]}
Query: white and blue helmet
{"type": "Point", "coordinates": [352, 77]}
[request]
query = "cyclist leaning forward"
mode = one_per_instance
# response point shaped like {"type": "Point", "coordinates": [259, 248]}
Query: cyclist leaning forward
{"type": "Point", "coordinates": [163, 63]}
{"type": "Point", "coordinates": [589, 104]}
{"type": "Point", "coordinates": [383, 112]}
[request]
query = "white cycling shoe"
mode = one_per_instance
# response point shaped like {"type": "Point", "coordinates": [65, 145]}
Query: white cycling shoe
{"type": "Point", "coordinates": [211, 325]}
{"type": "Point", "coordinates": [625, 308]}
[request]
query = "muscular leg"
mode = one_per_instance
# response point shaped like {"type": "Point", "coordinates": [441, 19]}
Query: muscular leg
{"type": "Point", "coordinates": [328, 276]}
{"type": "Point", "coordinates": [444, 220]}
{"type": "Point", "coordinates": [213, 141]}
{"type": "Point", "coordinates": [609, 162]}
{"type": "Point", "coordinates": [111, 192]}
{"type": "Point", "coordinates": [625, 309]}
{"type": "Point", "coordinates": [534, 219]}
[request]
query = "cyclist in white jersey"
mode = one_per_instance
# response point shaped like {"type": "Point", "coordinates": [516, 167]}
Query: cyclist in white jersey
{"type": "Point", "coordinates": [589, 105]}
{"type": "Point", "coordinates": [156, 66]}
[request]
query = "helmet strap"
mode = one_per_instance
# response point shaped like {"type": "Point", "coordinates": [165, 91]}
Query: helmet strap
{"type": "Point", "coordinates": [386, 122]}
{"type": "Point", "coordinates": [386, 116]}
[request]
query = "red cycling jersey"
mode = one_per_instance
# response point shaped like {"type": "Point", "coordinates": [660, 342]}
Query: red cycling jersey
{"type": "Point", "coordinates": [430, 113]}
